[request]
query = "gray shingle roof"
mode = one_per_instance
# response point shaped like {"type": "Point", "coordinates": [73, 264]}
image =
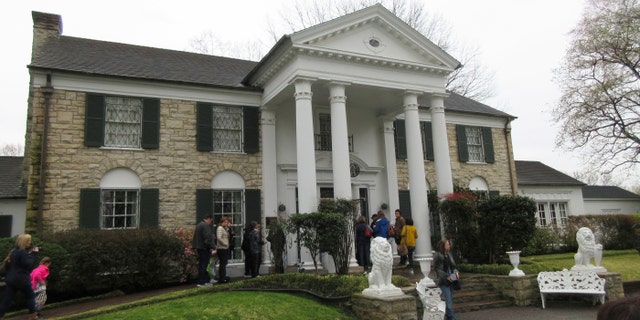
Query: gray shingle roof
{"type": "Point", "coordinates": [103, 58]}
{"type": "Point", "coordinates": [130, 61]}
{"type": "Point", "coordinates": [607, 192]}
{"type": "Point", "coordinates": [456, 102]}
{"type": "Point", "coordinates": [11, 186]}
{"type": "Point", "coordinates": [532, 173]}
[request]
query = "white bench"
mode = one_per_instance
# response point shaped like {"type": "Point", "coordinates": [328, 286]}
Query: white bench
{"type": "Point", "coordinates": [434, 307]}
{"type": "Point", "coordinates": [573, 282]}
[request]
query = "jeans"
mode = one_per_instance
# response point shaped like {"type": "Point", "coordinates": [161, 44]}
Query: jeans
{"type": "Point", "coordinates": [204, 255]}
{"type": "Point", "coordinates": [410, 255]}
{"type": "Point", "coordinates": [447, 291]}
{"type": "Point", "coordinates": [223, 256]}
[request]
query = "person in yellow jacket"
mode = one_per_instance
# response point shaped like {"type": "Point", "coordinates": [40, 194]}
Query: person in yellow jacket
{"type": "Point", "coordinates": [409, 235]}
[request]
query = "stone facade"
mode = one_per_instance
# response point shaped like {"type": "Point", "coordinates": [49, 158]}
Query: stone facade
{"type": "Point", "coordinates": [175, 168]}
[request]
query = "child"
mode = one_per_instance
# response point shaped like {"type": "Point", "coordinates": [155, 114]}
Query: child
{"type": "Point", "coordinates": [39, 282]}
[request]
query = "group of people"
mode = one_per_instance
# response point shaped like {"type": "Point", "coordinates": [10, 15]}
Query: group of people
{"type": "Point", "coordinates": [403, 232]}
{"type": "Point", "coordinates": [23, 277]}
{"type": "Point", "coordinates": [219, 241]}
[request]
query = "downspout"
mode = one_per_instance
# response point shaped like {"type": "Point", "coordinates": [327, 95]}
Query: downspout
{"type": "Point", "coordinates": [47, 91]}
{"type": "Point", "coordinates": [512, 164]}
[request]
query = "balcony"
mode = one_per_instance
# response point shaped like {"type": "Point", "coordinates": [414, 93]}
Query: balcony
{"type": "Point", "coordinates": [323, 142]}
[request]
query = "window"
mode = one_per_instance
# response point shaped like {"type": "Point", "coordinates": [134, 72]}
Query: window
{"type": "Point", "coordinates": [227, 128]}
{"type": "Point", "coordinates": [122, 122]}
{"type": "Point", "coordinates": [552, 214]}
{"type": "Point", "coordinates": [401, 141]}
{"type": "Point", "coordinates": [475, 144]}
{"type": "Point", "coordinates": [119, 203]}
{"type": "Point", "coordinates": [119, 209]}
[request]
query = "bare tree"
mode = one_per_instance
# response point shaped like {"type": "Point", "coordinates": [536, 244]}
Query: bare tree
{"type": "Point", "coordinates": [10, 149]}
{"type": "Point", "coordinates": [210, 43]}
{"type": "Point", "coordinates": [599, 110]}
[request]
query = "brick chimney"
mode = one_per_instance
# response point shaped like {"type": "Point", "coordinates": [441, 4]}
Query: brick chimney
{"type": "Point", "coordinates": [45, 26]}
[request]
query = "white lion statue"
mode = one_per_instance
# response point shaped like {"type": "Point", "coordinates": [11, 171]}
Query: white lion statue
{"type": "Point", "coordinates": [380, 276]}
{"type": "Point", "coordinates": [587, 249]}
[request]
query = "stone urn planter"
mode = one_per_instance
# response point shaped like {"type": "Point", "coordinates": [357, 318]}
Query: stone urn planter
{"type": "Point", "coordinates": [514, 258]}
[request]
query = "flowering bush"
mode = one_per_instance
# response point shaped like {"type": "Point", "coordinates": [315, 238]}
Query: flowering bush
{"type": "Point", "coordinates": [188, 263]}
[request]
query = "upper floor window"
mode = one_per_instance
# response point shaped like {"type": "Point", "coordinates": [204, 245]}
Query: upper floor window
{"type": "Point", "coordinates": [401, 140]}
{"type": "Point", "coordinates": [475, 144]}
{"type": "Point", "coordinates": [227, 128]}
{"type": "Point", "coordinates": [122, 122]}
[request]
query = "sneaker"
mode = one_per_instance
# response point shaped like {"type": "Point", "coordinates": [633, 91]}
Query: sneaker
{"type": "Point", "coordinates": [208, 284]}
{"type": "Point", "coordinates": [247, 276]}
{"type": "Point", "coordinates": [213, 281]}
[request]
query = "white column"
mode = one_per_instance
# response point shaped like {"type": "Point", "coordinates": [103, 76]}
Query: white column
{"type": "Point", "coordinates": [442, 161]}
{"type": "Point", "coordinates": [417, 179]}
{"type": "Point", "coordinates": [390, 163]}
{"type": "Point", "coordinates": [305, 147]}
{"type": "Point", "coordinates": [269, 172]}
{"type": "Point", "coordinates": [339, 141]}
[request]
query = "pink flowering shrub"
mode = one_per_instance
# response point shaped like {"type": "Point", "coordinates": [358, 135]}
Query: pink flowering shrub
{"type": "Point", "coordinates": [188, 264]}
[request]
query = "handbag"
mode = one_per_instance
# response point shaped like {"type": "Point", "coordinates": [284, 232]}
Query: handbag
{"type": "Point", "coordinates": [402, 249]}
{"type": "Point", "coordinates": [4, 265]}
{"type": "Point", "coordinates": [455, 282]}
{"type": "Point", "coordinates": [367, 231]}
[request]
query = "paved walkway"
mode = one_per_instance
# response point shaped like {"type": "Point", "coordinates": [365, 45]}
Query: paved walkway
{"type": "Point", "coordinates": [556, 310]}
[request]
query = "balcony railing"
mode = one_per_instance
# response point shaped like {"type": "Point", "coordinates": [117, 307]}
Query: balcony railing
{"type": "Point", "coordinates": [323, 142]}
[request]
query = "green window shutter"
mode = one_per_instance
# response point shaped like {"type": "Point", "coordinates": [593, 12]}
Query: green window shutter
{"type": "Point", "coordinates": [487, 138]}
{"type": "Point", "coordinates": [90, 208]}
{"type": "Point", "coordinates": [463, 152]}
{"type": "Point", "coordinates": [151, 123]}
{"type": "Point", "coordinates": [204, 126]}
{"type": "Point", "coordinates": [149, 208]}
{"type": "Point", "coordinates": [204, 203]}
{"type": "Point", "coordinates": [405, 203]}
{"type": "Point", "coordinates": [252, 205]}
{"type": "Point", "coordinates": [401, 139]}
{"type": "Point", "coordinates": [428, 140]}
{"type": "Point", "coordinates": [94, 120]}
{"type": "Point", "coordinates": [251, 118]}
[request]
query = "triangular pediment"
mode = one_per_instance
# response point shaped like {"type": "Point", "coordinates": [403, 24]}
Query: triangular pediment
{"type": "Point", "coordinates": [374, 33]}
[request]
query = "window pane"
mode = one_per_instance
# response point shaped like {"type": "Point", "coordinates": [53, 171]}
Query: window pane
{"type": "Point", "coordinates": [119, 209]}
{"type": "Point", "coordinates": [542, 220]}
{"type": "Point", "coordinates": [227, 129]}
{"type": "Point", "coordinates": [474, 144]}
{"type": "Point", "coordinates": [230, 203]}
{"type": "Point", "coordinates": [123, 122]}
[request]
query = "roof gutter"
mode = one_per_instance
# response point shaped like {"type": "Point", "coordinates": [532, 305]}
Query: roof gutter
{"type": "Point", "coordinates": [47, 91]}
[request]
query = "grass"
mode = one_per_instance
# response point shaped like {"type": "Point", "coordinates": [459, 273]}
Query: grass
{"type": "Point", "coordinates": [625, 262]}
{"type": "Point", "coordinates": [233, 305]}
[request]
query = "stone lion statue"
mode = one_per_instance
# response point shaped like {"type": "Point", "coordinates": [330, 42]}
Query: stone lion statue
{"type": "Point", "coordinates": [586, 249]}
{"type": "Point", "coordinates": [380, 276]}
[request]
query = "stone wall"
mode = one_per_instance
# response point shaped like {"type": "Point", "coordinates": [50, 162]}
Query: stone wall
{"type": "Point", "coordinates": [389, 308]}
{"type": "Point", "coordinates": [176, 168]}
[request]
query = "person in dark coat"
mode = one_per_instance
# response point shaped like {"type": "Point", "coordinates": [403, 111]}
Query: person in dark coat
{"type": "Point", "coordinates": [203, 243]}
{"type": "Point", "coordinates": [363, 244]}
{"type": "Point", "coordinates": [256, 250]}
{"type": "Point", "coordinates": [21, 261]}
{"type": "Point", "coordinates": [246, 248]}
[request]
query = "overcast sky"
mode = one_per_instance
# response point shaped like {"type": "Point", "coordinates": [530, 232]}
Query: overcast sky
{"type": "Point", "coordinates": [521, 42]}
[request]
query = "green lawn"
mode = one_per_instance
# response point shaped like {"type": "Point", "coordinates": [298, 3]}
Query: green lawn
{"type": "Point", "coordinates": [625, 262]}
{"type": "Point", "coordinates": [232, 305]}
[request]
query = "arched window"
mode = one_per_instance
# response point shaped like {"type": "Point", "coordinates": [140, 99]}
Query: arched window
{"type": "Point", "coordinates": [479, 187]}
{"type": "Point", "coordinates": [119, 203]}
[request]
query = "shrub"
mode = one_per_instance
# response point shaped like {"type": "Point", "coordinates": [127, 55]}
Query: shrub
{"type": "Point", "coordinates": [459, 216]}
{"type": "Point", "coordinates": [614, 232]}
{"type": "Point", "coordinates": [544, 241]}
{"type": "Point", "coordinates": [505, 223]}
